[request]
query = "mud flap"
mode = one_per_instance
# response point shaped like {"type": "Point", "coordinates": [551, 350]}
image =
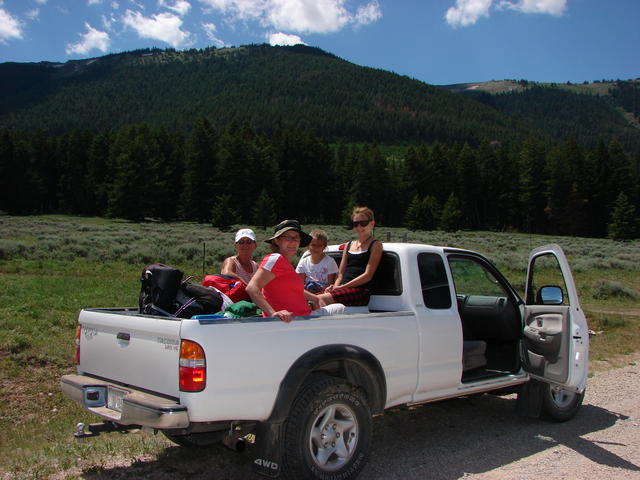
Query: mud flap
{"type": "Point", "coordinates": [529, 403]}
{"type": "Point", "coordinates": [269, 452]}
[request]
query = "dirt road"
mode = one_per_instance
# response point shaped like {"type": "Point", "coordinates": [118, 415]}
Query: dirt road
{"type": "Point", "coordinates": [477, 438]}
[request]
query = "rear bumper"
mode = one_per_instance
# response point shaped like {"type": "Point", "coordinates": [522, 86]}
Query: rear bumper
{"type": "Point", "coordinates": [131, 407]}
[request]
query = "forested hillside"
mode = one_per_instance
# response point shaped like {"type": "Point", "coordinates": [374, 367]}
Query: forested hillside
{"type": "Point", "coordinates": [265, 87]}
{"type": "Point", "coordinates": [253, 134]}
{"type": "Point", "coordinates": [585, 112]}
{"type": "Point", "coordinates": [272, 87]}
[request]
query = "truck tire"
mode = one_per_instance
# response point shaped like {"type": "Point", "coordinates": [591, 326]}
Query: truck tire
{"type": "Point", "coordinates": [328, 431]}
{"type": "Point", "coordinates": [559, 405]}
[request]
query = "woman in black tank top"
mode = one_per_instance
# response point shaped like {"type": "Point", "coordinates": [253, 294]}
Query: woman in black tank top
{"type": "Point", "coordinates": [360, 259]}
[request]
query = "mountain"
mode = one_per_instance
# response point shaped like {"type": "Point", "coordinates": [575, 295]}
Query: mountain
{"type": "Point", "coordinates": [585, 112]}
{"type": "Point", "coordinates": [271, 87]}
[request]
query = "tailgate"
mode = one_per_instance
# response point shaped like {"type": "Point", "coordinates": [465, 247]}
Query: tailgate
{"type": "Point", "coordinates": [137, 350]}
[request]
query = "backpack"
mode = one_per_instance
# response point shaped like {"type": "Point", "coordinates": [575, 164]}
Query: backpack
{"type": "Point", "coordinates": [197, 300]}
{"type": "Point", "coordinates": [233, 288]}
{"type": "Point", "coordinates": [159, 285]}
{"type": "Point", "coordinates": [162, 292]}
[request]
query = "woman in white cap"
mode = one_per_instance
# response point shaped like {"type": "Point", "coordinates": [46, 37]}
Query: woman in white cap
{"type": "Point", "coordinates": [276, 288]}
{"type": "Point", "coordinates": [241, 265]}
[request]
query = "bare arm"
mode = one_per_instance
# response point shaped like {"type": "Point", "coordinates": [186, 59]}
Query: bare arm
{"type": "Point", "coordinates": [341, 270]}
{"type": "Point", "coordinates": [229, 267]}
{"type": "Point", "coordinates": [313, 298]}
{"type": "Point", "coordinates": [254, 289]}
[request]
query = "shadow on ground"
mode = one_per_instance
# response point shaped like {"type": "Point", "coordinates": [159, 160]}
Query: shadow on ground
{"type": "Point", "coordinates": [439, 441]}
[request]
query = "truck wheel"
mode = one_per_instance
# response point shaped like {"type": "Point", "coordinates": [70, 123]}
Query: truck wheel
{"type": "Point", "coordinates": [328, 432]}
{"type": "Point", "coordinates": [559, 405]}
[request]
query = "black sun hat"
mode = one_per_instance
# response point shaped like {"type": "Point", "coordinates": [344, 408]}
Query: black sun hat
{"type": "Point", "coordinates": [285, 225]}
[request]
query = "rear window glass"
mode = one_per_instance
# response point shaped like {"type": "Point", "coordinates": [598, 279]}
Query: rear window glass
{"type": "Point", "coordinates": [434, 282]}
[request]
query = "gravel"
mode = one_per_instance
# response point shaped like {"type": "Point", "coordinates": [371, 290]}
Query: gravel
{"type": "Point", "coordinates": [475, 438]}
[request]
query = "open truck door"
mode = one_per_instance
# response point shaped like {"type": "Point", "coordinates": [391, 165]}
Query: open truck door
{"type": "Point", "coordinates": [555, 342]}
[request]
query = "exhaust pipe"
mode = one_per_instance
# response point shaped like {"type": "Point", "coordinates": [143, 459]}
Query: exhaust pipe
{"type": "Point", "coordinates": [235, 443]}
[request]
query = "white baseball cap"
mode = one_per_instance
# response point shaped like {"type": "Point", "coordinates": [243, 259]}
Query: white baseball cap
{"type": "Point", "coordinates": [245, 232]}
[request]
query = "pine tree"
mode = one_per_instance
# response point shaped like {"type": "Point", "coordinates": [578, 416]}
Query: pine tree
{"type": "Point", "coordinates": [223, 213]}
{"type": "Point", "coordinates": [451, 217]}
{"type": "Point", "coordinates": [200, 157]}
{"type": "Point", "coordinates": [532, 198]}
{"type": "Point", "coordinates": [423, 214]}
{"type": "Point", "coordinates": [264, 211]}
{"type": "Point", "coordinates": [131, 192]}
{"type": "Point", "coordinates": [624, 222]}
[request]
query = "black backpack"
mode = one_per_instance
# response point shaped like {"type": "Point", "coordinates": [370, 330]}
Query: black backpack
{"type": "Point", "coordinates": [162, 292]}
{"type": "Point", "coordinates": [159, 287]}
{"type": "Point", "coordinates": [195, 299]}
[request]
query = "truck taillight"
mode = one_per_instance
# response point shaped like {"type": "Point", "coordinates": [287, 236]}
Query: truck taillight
{"type": "Point", "coordinates": [193, 367]}
{"type": "Point", "coordinates": [77, 345]}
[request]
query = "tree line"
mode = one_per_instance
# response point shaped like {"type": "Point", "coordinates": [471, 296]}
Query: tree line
{"type": "Point", "coordinates": [233, 175]}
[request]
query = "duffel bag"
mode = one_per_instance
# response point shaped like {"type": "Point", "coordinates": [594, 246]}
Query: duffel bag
{"type": "Point", "coordinates": [233, 288]}
{"type": "Point", "coordinates": [197, 300]}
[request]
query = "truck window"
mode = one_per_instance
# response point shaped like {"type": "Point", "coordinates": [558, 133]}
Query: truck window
{"type": "Point", "coordinates": [471, 278]}
{"type": "Point", "coordinates": [545, 272]}
{"type": "Point", "coordinates": [433, 278]}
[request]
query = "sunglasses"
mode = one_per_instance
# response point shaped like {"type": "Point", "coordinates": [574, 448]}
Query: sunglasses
{"type": "Point", "coordinates": [287, 238]}
{"type": "Point", "coordinates": [362, 223]}
{"type": "Point", "coordinates": [245, 242]}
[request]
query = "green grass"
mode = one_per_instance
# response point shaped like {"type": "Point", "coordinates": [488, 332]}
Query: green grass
{"type": "Point", "coordinates": [52, 266]}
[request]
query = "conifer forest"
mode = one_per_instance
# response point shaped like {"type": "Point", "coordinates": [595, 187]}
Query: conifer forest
{"type": "Point", "coordinates": [255, 134]}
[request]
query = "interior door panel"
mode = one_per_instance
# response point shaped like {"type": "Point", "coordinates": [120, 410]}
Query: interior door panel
{"type": "Point", "coordinates": [546, 341]}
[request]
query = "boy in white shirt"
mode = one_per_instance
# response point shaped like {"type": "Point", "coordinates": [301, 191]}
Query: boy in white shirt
{"type": "Point", "coordinates": [317, 270]}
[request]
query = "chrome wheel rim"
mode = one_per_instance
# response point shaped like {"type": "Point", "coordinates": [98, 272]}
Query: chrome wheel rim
{"type": "Point", "coordinates": [562, 398]}
{"type": "Point", "coordinates": [334, 436]}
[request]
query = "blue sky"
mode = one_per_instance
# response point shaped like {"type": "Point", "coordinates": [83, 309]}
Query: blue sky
{"type": "Point", "coordinates": [436, 41]}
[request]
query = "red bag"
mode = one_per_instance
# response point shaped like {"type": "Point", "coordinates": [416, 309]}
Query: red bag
{"type": "Point", "coordinates": [233, 288]}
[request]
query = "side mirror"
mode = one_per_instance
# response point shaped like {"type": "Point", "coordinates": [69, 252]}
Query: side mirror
{"type": "Point", "coordinates": [550, 295]}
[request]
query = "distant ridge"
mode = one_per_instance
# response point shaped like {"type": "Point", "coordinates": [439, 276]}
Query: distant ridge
{"type": "Point", "coordinates": [269, 87]}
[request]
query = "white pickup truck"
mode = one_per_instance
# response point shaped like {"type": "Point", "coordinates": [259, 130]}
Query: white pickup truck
{"type": "Point", "coordinates": [441, 323]}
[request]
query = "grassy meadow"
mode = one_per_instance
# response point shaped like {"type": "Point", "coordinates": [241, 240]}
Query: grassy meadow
{"type": "Point", "coordinates": [52, 266]}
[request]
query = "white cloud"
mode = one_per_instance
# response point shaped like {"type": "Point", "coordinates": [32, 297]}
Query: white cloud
{"type": "Point", "coordinates": [211, 31]}
{"type": "Point", "coordinates": [280, 38]}
{"type": "Point", "coordinates": [107, 22]}
{"type": "Point", "coordinates": [301, 16]}
{"type": "Point", "coordinates": [240, 9]}
{"type": "Point", "coordinates": [467, 12]}
{"type": "Point", "coordinates": [92, 39]}
{"type": "Point", "coordinates": [32, 14]}
{"type": "Point", "coordinates": [138, 5]}
{"type": "Point", "coordinates": [309, 16]}
{"type": "Point", "coordinates": [94, 2]}
{"type": "Point", "coordinates": [369, 13]}
{"type": "Point", "coordinates": [10, 27]}
{"type": "Point", "coordinates": [162, 26]}
{"type": "Point", "coordinates": [181, 7]}
{"type": "Point", "coordinates": [41, 2]}
{"type": "Point", "coordinates": [115, 5]}
{"type": "Point", "coordinates": [551, 7]}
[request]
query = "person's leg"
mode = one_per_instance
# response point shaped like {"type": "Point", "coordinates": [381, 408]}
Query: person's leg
{"type": "Point", "coordinates": [326, 299]}
{"type": "Point", "coordinates": [333, 309]}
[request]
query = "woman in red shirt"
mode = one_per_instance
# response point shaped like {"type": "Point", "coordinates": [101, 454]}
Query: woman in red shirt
{"type": "Point", "coordinates": [276, 288]}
